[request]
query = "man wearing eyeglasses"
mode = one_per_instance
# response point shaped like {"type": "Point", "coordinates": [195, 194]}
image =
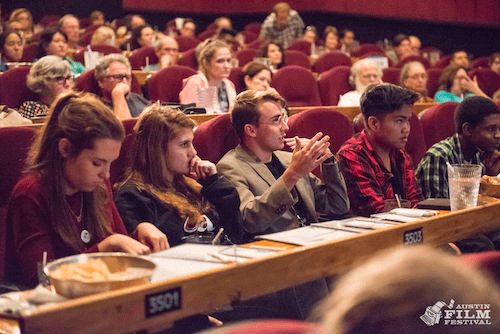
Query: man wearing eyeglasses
{"type": "Point", "coordinates": [114, 76]}
{"type": "Point", "coordinates": [167, 50]}
{"type": "Point", "coordinates": [276, 188]}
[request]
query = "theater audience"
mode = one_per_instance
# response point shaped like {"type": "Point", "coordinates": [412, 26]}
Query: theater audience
{"type": "Point", "coordinates": [276, 188]}
{"type": "Point", "coordinates": [114, 76]}
{"type": "Point", "coordinates": [142, 36]}
{"type": "Point", "coordinates": [414, 77]}
{"type": "Point", "coordinates": [410, 290]}
{"type": "Point", "coordinates": [364, 72]}
{"type": "Point", "coordinates": [214, 63]}
{"type": "Point", "coordinates": [188, 28]}
{"type": "Point", "coordinates": [104, 35]}
{"type": "Point", "coordinates": [274, 52]}
{"type": "Point", "coordinates": [169, 188]}
{"type": "Point", "coordinates": [374, 164]}
{"type": "Point", "coordinates": [494, 62]}
{"type": "Point", "coordinates": [53, 42]}
{"type": "Point", "coordinates": [415, 45]}
{"type": "Point", "coordinates": [347, 42]}
{"type": "Point", "coordinates": [456, 85]}
{"type": "Point", "coordinates": [284, 25]}
{"type": "Point", "coordinates": [167, 50]}
{"type": "Point", "coordinates": [64, 205]}
{"type": "Point", "coordinates": [70, 25]}
{"type": "Point", "coordinates": [49, 77]}
{"type": "Point", "coordinates": [257, 76]}
{"type": "Point", "coordinates": [460, 58]}
{"type": "Point", "coordinates": [11, 48]}
{"type": "Point", "coordinates": [401, 48]}
{"type": "Point", "coordinates": [331, 39]}
{"type": "Point", "coordinates": [25, 20]}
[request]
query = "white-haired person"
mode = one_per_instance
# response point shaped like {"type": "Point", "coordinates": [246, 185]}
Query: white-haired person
{"type": "Point", "coordinates": [414, 77]}
{"type": "Point", "coordinates": [364, 73]}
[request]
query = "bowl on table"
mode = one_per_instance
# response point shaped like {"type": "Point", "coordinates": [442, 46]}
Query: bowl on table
{"type": "Point", "coordinates": [86, 274]}
{"type": "Point", "coordinates": [490, 186]}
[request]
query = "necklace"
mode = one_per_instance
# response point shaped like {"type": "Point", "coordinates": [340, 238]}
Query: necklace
{"type": "Point", "coordinates": [85, 236]}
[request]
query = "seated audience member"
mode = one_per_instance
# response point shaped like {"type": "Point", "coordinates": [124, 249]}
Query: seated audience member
{"type": "Point", "coordinates": [70, 25]}
{"type": "Point", "coordinates": [414, 76]}
{"type": "Point", "coordinates": [275, 53]}
{"type": "Point", "coordinates": [222, 23]}
{"type": "Point", "coordinates": [53, 42]}
{"type": "Point", "coordinates": [133, 21]}
{"type": "Point", "coordinates": [104, 35]}
{"type": "Point", "coordinates": [188, 28]}
{"type": "Point", "coordinates": [214, 63]}
{"type": "Point", "coordinates": [284, 25]}
{"type": "Point", "coordinates": [257, 76]}
{"type": "Point", "coordinates": [276, 188]}
{"type": "Point", "coordinates": [347, 42]}
{"type": "Point", "coordinates": [331, 39]}
{"type": "Point", "coordinates": [455, 85]}
{"type": "Point", "coordinates": [11, 48]}
{"type": "Point", "coordinates": [25, 19]}
{"type": "Point", "coordinates": [374, 164]}
{"type": "Point", "coordinates": [415, 45]}
{"type": "Point", "coordinates": [364, 73]}
{"type": "Point", "coordinates": [476, 141]}
{"type": "Point", "coordinates": [460, 58]}
{"type": "Point", "coordinates": [48, 77]}
{"type": "Point", "coordinates": [401, 48]}
{"type": "Point", "coordinates": [114, 76]}
{"type": "Point", "coordinates": [167, 51]}
{"type": "Point", "coordinates": [495, 62]}
{"type": "Point", "coordinates": [415, 290]}
{"type": "Point", "coordinates": [162, 189]}
{"type": "Point", "coordinates": [142, 36]}
{"type": "Point", "coordinates": [310, 34]}
{"type": "Point", "coordinates": [64, 205]}
{"type": "Point", "coordinates": [97, 18]}
{"type": "Point", "coordinates": [228, 36]}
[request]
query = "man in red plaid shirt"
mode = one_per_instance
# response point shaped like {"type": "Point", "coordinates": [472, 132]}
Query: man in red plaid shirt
{"type": "Point", "coordinates": [373, 162]}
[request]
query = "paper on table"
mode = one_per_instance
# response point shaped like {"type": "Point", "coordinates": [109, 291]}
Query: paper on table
{"type": "Point", "coordinates": [394, 217]}
{"type": "Point", "coordinates": [356, 224]}
{"type": "Point", "coordinates": [308, 235]}
{"type": "Point", "coordinates": [167, 268]}
{"type": "Point", "coordinates": [414, 212]}
{"type": "Point", "coordinates": [198, 252]}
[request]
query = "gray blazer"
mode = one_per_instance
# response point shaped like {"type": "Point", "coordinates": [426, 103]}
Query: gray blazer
{"type": "Point", "coordinates": [266, 203]}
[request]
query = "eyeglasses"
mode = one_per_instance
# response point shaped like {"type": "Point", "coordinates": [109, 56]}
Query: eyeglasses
{"type": "Point", "coordinates": [119, 77]}
{"type": "Point", "coordinates": [418, 76]}
{"type": "Point", "coordinates": [63, 79]}
{"type": "Point", "coordinates": [278, 121]}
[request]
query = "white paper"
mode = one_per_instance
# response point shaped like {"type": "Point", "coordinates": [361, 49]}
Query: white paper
{"type": "Point", "coordinates": [414, 212]}
{"type": "Point", "coordinates": [397, 218]}
{"type": "Point", "coordinates": [308, 235]}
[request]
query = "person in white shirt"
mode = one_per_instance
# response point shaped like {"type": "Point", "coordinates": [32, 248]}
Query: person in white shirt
{"type": "Point", "coordinates": [364, 73]}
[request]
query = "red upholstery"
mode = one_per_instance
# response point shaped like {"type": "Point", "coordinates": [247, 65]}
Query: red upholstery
{"type": "Point", "coordinates": [433, 75]}
{"type": "Point", "coordinates": [408, 59]}
{"type": "Point", "coordinates": [481, 62]}
{"type": "Point", "coordinates": [206, 34]}
{"type": "Point", "coordinates": [86, 82]}
{"type": "Point", "coordinates": [334, 83]}
{"type": "Point", "coordinates": [13, 89]}
{"type": "Point", "coordinates": [278, 326]}
{"type": "Point", "coordinates": [16, 142]}
{"type": "Point", "coordinates": [302, 46]}
{"type": "Point", "coordinates": [429, 49]}
{"type": "Point", "coordinates": [245, 56]}
{"type": "Point", "coordinates": [488, 262]}
{"type": "Point", "coordinates": [488, 80]}
{"type": "Point", "coordinates": [443, 62]}
{"type": "Point", "coordinates": [86, 37]}
{"type": "Point", "coordinates": [255, 44]}
{"type": "Point", "coordinates": [297, 86]}
{"type": "Point", "coordinates": [102, 48]}
{"type": "Point", "coordinates": [330, 60]}
{"type": "Point", "coordinates": [167, 84]}
{"type": "Point", "coordinates": [236, 77]}
{"type": "Point", "coordinates": [30, 52]}
{"type": "Point", "coordinates": [391, 75]}
{"type": "Point", "coordinates": [294, 57]}
{"type": "Point", "coordinates": [138, 57]}
{"type": "Point", "coordinates": [189, 59]}
{"type": "Point", "coordinates": [215, 138]}
{"type": "Point", "coordinates": [253, 27]}
{"type": "Point", "coordinates": [49, 20]}
{"type": "Point", "coordinates": [365, 48]}
{"type": "Point", "coordinates": [186, 43]}
{"type": "Point", "coordinates": [438, 122]}
{"type": "Point", "coordinates": [120, 165]}
{"type": "Point", "coordinates": [249, 36]}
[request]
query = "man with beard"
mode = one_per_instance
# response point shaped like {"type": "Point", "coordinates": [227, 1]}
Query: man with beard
{"type": "Point", "coordinates": [363, 73]}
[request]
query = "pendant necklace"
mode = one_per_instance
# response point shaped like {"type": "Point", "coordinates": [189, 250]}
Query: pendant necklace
{"type": "Point", "coordinates": [85, 235]}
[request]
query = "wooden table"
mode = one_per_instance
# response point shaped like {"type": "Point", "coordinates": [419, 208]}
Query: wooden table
{"type": "Point", "coordinates": [125, 310]}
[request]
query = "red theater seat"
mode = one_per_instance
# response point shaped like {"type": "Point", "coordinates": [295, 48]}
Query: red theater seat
{"type": "Point", "coordinates": [297, 86]}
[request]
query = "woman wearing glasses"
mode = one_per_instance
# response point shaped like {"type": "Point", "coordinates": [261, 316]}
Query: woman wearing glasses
{"type": "Point", "coordinates": [211, 83]}
{"type": "Point", "coordinates": [48, 77]}
{"type": "Point", "coordinates": [414, 76]}
{"type": "Point", "coordinates": [169, 186]}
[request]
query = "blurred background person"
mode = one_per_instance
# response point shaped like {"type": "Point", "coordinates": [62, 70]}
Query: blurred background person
{"type": "Point", "coordinates": [188, 28]}
{"type": "Point", "coordinates": [257, 76]}
{"type": "Point", "coordinates": [53, 42]}
{"type": "Point", "coordinates": [414, 76]}
{"type": "Point", "coordinates": [97, 18]}
{"type": "Point", "coordinates": [456, 85]}
{"type": "Point", "coordinates": [400, 48]}
{"type": "Point", "coordinates": [310, 34]}
{"type": "Point", "coordinates": [104, 35]}
{"type": "Point", "coordinates": [142, 36]}
{"type": "Point", "coordinates": [363, 73]}
{"type": "Point", "coordinates": [25, 19]}
{"type": "Point", "coordinates": [284, 25]}
{"type": "Point", "coordinates": [70, 25]}
{"type": "Point", "coordinates": [494, 62]}
{"type": "Point", "coordinates": [331, 39]}
{"type": "Point", "coordinates": [348, 42]}
{"type": "Point", "coordinates": [415, 45]}
{"type": "Point", "coordinates": [167, 50]}
{"type": "Point", "coordinates": [49, 77]}
{"type": "Point", "coordinates": [275, 53]}
{"type": "Point", "coordinates": [11, 48]}
{"type": "Point", "coordinates": [460, 58]}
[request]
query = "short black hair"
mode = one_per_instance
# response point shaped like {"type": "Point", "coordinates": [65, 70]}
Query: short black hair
{"type": "Point", "coordinates": [380, 100]}
{"type": "Point", "coordinates": [474, 110]}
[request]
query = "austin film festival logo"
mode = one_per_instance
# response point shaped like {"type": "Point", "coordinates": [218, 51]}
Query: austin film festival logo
{"type": "Point", "coordinates": [460, 315]}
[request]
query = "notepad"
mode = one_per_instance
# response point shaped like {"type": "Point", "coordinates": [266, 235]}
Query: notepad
{"type": "Point", "coordinates": [395, 217]}
{"type": "Point", "coordinates": [308, 235]}
{"type": "Point", "coordinates": [414, 212]}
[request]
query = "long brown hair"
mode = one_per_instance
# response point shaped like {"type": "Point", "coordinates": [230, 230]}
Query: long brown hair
{"type": "Point", "coordinates": [156, 126]}
{"type": "Point", "coordinates": [81, 119]}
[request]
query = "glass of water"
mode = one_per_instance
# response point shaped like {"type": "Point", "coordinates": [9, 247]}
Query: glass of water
{"type": "Point", "coordinates": [463, 181]}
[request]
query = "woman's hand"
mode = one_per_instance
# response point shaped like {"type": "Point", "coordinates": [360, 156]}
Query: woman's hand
{"type": "Point", "coordinates": [201, 169]}
{"type": "Point", "coordinates": [151, 236]}
{"type": "Point", "coordinates": [122, 243]}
